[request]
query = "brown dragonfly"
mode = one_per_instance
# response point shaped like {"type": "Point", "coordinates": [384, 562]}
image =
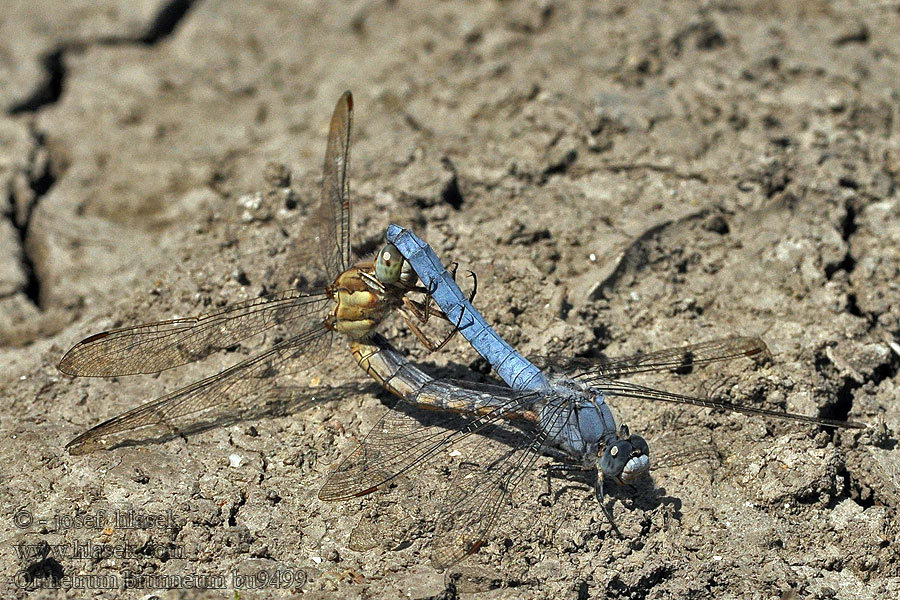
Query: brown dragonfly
{"type": "Point", "coordinates": [358, 299]}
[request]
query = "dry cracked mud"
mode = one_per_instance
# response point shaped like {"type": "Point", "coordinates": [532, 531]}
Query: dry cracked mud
{"type": "Point", "coordinates": [622, 176]}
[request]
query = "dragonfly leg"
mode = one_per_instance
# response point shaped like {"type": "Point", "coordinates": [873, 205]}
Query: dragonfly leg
{"type": "Point", "coordinates": [461, 312]}
{"type": "Point", "coordinates": [598, 488]}
{"type": "Point", "coordinates": [559, 468]}
{"type": "Point", "coordinates": [420, 335]}
{"type": "Point", "coordinates": [422, 311]}
{"type": "Point", "coordinates": [452, 269]}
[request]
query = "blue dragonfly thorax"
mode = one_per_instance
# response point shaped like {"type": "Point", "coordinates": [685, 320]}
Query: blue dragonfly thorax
{"type": "Point", "coordinates": [579, 422]}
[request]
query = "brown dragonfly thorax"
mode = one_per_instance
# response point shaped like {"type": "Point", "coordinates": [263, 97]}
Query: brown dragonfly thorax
{"type": "Point", "coordinates": [361, 301]}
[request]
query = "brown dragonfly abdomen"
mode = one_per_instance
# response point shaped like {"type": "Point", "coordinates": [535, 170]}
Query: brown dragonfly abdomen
{"type": "Point", "coordinates": [395, 373]}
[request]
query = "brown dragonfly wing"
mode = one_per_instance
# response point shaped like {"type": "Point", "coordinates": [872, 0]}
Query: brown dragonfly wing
{"type": "Point", "coordinates": [330, 222]}
{"type": "Point", "coordinates": [230, 395]}
{"type": "Point", "coordinates": [680, 358]}
{"type": "Point", "coordinates": [154, 347]}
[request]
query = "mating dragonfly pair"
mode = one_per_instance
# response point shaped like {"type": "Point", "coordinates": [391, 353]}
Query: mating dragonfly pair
{"type": "Point", "coordinates": [562, 413]}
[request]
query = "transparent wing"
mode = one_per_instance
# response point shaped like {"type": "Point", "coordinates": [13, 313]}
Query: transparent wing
{"type": "Point", "coordinates": [623, 389]}
{"type": "Point", "coordinates": [223, 396]}
{"type": "Point", "coordinates": [482, 486]}
{"type": "Point", "coordinates": [404, 512]}
{"type": "Point", "coordinates": [330, 223]}
{"type": "Point", "coordinates": [154, 347]}
{"type": "Point", "coordinates": [682, 358]}
{"type": "Point", "coordinates": [676, 449]}
{"type": "Point", "coordinates": [400, 442]}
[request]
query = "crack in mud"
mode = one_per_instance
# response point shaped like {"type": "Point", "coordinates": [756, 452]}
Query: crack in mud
{"type": "Point", "coordinates": [53, 62]}
{"type": "Point", "coordinates": [841, 408]}
{"type": "Point", "coordinates": [166, 21]}
{"type": "Point", "coordinates": [856, 489]}
{"type": "Point", "coordinates": [560, 166]}
{"type": "Point", "coordinates": [617, 587]}
{"type": "Point", "coordinates": [634, 257]}
{"type": "Point", "coordinates": [9, 212]}
{"type": "Point", "coordinates": [848, 227]}
{"type": "Point", "coordinates": [40, 173]}
{"type": "Point", "coordinates": [235, 508]}
{"type": "Point", "coordinates": [657, 168]}
{"type": "Point", "coordinates": [40, 177]}
{"type": "Point", "coordinates": [50, 90]}
{"type": "Point", "coordinates": [451, 194]}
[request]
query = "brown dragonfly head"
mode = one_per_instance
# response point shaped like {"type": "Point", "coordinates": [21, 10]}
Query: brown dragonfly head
{"type": "Point", "coordinates": [392, 269]}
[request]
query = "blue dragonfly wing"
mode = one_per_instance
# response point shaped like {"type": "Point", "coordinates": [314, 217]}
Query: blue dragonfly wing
{"type": "Point", "coordinates": [682, 358]}
{"type": "Point", "coordinates": [680, 448]}
{"type": "Point", "coordinates": [513, 428]}
{"type": "Point", "coordinates": [483, 484]}
{"type": "Point", "coordinates": [407, 438]}
{"type": "Point", "coordinates": [227, 396]}
{"type": "Point", "coordinates": [408, 508]}
{"type": "Point", "coordinates": [621, 389]}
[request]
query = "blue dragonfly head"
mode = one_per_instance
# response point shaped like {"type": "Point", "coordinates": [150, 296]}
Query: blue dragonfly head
{"type": "Point", "coordinates": [627, 458]}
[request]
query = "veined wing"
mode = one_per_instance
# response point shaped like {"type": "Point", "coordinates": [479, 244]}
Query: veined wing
{"type": "Point", "coordinates": [399, 443]}
{"type": "Point", "coordinates": [330, 223]}
{"type": "Point", "coordinates": [483, 484]}
{"type": "Point", "coordinates": [683, 447]}
{"type": "Point", "coordinates": [684, 357]}
{"type": "Point", "coordinates": [154, 347]}
{"type": "Point", "coordinates": [613, 388]}
{"type": "Point", "coordinates": [246, 384]}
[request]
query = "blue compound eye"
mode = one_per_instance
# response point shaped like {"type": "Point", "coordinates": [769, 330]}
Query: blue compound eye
{"type": "Point", "coordinates": [389, 264]}
{"type": "Point", "coordinates": [626, 459]}
{"type": "Point", "coordinates": [614, 458]}
{"type": "Point", "coordinates": [639, 445]}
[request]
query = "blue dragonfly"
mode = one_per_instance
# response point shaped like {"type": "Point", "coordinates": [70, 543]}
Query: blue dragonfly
{"type": "Point", "coordinates": [563, 415]}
